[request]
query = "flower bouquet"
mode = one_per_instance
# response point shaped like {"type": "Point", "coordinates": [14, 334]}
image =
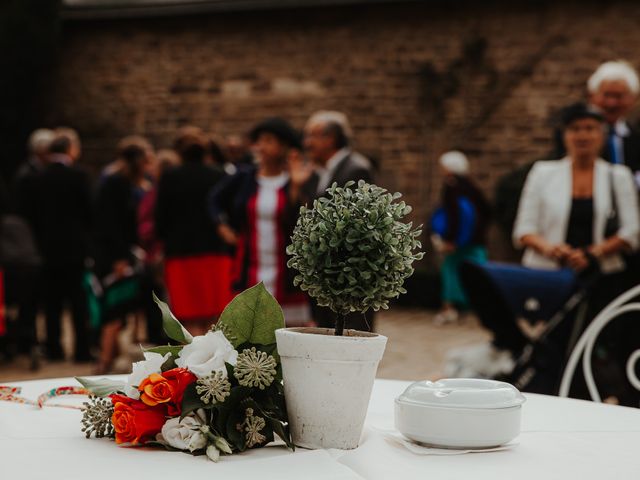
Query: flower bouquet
{"type": "Point", "coordinates": [214, 394]}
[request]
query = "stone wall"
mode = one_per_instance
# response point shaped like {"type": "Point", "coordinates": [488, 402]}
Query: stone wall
{"type": "Point", "coordinates": [415, 78]}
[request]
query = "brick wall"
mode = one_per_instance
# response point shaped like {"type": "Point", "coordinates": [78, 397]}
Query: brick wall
{"type": "Point", "coordinates": [415, 79]}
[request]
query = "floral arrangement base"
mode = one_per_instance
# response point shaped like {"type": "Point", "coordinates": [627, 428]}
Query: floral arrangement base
{"type": "Point", "coordinates": [213, 394]}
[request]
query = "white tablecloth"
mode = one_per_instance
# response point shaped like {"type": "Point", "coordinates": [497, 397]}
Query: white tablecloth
{"type": "Point", "coordinates": [560, 439]}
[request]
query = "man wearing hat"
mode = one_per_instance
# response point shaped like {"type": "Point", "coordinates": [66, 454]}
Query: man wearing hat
{"type": "Point", "coordinates": [327, 142]}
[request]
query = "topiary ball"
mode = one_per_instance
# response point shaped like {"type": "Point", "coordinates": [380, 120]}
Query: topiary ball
{"type": "Point", "coordinates": [351, 250]}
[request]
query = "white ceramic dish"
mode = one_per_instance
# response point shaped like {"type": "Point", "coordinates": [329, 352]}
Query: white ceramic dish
{"type": "Point", "coordinates": [459, 413]}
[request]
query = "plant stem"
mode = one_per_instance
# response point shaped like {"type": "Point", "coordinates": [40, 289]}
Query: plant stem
{"type": "Point", "coordinates": [339, 324]}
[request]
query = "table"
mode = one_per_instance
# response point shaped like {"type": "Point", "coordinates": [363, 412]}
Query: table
{"type": "Point", "coordinates": [560, 439]}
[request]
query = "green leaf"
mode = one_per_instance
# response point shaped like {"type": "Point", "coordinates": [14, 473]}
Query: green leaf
{"type": "Point", "coordinates": [233, 435]}
{"type": "Point", "coordinates": [174, 350]}
{"type": "Point", "coordinates": [252, 316]}
{"type": "Point", "coordinates": [281, 430]}
{"type": "Point", "coordinates": [191, 401]}
{"type": "Point", "coordinates": [172, 327]}
{"type": "Point", "coordinates": [102, 387]}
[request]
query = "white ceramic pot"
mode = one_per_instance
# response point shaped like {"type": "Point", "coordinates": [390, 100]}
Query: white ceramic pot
{"type": "Point", "coordinates": [459, 413]}
{"type": "Point", "coordinates": [327, 383]}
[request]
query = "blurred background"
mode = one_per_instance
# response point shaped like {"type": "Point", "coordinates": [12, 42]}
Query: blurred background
{"type": "Point", "coordinates": [415, 78]}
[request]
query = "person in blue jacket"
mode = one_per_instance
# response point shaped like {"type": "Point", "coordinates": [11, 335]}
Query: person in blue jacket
{"type": "Point", "coordinates": [459, 229]}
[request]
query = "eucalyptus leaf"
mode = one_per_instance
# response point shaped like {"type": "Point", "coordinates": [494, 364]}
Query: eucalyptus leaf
{"type": "Point", "coordinates": [102, 387]}
{"type": "Point", "coordinates": [253, 316]}
{"type": "Point", "coordinates": [172, 327]}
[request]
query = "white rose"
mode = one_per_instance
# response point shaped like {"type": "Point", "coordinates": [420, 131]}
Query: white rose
{"type": "Point", "coordinates": [185, 434]}
{"type": "Point", "coordinates": [141, 370]}
{"type": "Point", "coordinates": [207, 354]}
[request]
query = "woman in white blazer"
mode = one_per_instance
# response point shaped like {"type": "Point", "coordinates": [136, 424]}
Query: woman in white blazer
{"type": "Point", "coordinates": [561, 221]}
{"type": "Point", "coordinates": [565, 204]}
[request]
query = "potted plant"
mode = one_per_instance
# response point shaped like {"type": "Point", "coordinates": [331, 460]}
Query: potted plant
{"type": "Point", "coordinates": [352, 252]}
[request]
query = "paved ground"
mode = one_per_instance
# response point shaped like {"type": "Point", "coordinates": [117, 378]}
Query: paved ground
{"type": "Point", "coordinates": [415, 350]}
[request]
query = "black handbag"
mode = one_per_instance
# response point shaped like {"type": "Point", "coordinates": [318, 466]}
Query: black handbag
{"type": "Point", "coordinates": [613, 220]}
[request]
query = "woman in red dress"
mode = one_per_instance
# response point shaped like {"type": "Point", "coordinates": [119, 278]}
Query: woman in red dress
{"type": "Point", "coordinates": [197, 263]}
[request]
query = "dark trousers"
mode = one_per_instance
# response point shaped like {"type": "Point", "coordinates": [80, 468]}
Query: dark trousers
{"type": "Point", "coordinates": [494, 313]}
{"type": "Point", "coordinates": [63, 284]}
{"type": "Point", "coordinates": [22, 288]}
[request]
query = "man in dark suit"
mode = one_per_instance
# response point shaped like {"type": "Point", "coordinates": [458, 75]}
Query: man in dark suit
{"type": "Point", "coordinates": [327, 139]}
{"type": "Point", "coordinates": [61, 223]}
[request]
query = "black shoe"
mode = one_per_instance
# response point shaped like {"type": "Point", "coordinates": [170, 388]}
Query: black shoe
{"type": "Point", "coordinates": [83, 357]}
{"type": "Point", "coordinates": [55, 355]}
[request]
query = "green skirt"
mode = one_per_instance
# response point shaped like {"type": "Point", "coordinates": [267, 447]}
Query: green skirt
{"type": "Point", "coordinates": [452, 291]}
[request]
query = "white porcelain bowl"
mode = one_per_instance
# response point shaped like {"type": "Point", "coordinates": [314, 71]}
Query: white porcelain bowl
{"type": "Point", "coordinates": [459, 413]}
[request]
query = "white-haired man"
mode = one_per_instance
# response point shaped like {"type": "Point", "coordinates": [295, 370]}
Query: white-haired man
{"type": "Point", "coordinates": [614, 88]}
{"type": "Point", "coordinates": [327, 142]}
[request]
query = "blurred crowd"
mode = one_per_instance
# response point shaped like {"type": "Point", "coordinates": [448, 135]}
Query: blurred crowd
{"type": "Point", "coordinates": [199, 222]}
{"type": "Point", "coordinates": [576, 217]}
{"type": "Point", "coordinates": [194, 224]}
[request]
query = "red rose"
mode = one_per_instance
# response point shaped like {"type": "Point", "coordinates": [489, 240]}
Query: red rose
{"type": "Point", "coordinates": [178, 379]}
{"type": "Point", "coordinates": [134, 422]}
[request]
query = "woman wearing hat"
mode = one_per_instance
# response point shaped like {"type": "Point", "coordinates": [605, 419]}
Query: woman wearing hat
{"type": "Point", "coordinates": [564, 222]}
{"type": "Point", "coordinates": [255, 210]}
{"type": "Point", "coordinates": [565, 204]}
{"type": "Point", "coordinates": [461, 233]}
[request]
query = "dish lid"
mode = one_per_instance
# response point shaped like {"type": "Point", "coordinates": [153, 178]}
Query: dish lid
{"type": "Point", "coordinates": [462, 393]}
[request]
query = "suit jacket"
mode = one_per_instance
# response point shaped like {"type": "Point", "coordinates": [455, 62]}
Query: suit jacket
{"type": "Point", "coordinates": [59, 209]}
{"type": "Point", "coordinates": [182, 220]}
{"type": "Point", "coordinates": [545, 207]}
{"type": "Point", "coordinates": [116, 229]}
{"type": "Point", "coordinates": [353, 167]}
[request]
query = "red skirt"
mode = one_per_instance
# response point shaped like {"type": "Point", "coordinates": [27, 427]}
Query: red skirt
{"type": "Point", "coordinates": [198, 286]}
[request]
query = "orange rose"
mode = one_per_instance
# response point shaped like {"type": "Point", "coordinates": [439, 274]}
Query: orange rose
{"type": "Point", "coordinates": [155, 389]}
{"type": "Point", "coordinates": [179, 379]}
{"type": "Point", "coordinates": [133, 421]}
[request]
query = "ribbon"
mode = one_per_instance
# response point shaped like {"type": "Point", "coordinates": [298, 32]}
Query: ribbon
{"type": "Point", "coordinates": [12, 394]}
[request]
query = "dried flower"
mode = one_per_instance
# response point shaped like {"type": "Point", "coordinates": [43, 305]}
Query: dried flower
{"type": "Point", "coordinates": [255, 368]}
{"type": "Point", "coordinates": [213, 388]}
{"type": "Point", "coordinates": [252, 427]}
{"type": "Point", "coordinates": [96, 417]}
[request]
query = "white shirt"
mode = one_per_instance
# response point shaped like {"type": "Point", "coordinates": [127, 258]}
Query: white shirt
{"type": "Point", "coordinates": [329, 169]}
